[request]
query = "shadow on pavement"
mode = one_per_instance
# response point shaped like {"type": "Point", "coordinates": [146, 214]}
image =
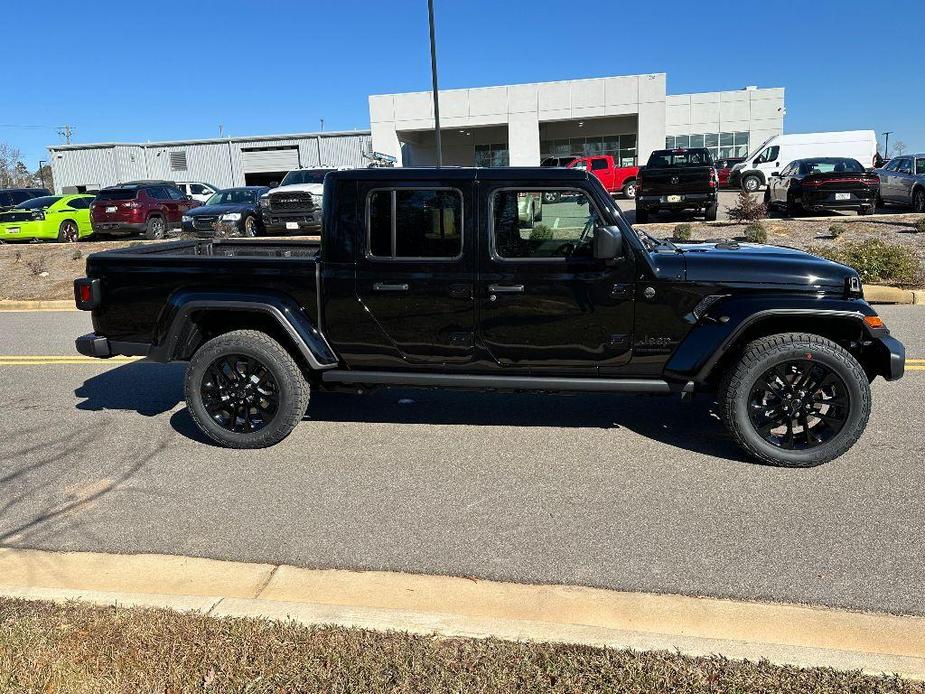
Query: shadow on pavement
{"type": "Point", "coordinates": [152, 389]}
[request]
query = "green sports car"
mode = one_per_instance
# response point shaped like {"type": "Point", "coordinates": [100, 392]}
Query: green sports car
{"type": "Point", "coordinates": [64, 218]}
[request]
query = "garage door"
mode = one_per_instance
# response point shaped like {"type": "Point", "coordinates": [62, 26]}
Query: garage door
{"type": "Point", "coordinates": [270, 160]}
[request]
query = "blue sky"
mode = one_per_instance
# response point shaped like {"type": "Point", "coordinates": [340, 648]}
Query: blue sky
{"type": "Point", "coordinates": [152, 71]}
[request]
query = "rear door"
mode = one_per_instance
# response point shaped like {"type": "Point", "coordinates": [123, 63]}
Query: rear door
{"type": "Point", "coordinates": [416, 271]}
{"type": "Point", "coordinates": [545, 303]}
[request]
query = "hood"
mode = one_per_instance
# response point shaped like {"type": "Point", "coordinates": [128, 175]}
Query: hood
{"type": "Point", "coordinates": [313, 188]}
{"type": "Point", "coordinates": [210, 210]}
{"type": "Point", "coordinates": [750, 263]}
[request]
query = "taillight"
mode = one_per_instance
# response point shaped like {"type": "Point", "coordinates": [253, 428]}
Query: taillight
{"type": "Point", "coordinates": [638, 183]}
{"type": "Point", "coordinates": [713, 178]}
{"type": "Point", "coordinates": [87, 293]}
{"type": "Point", "coordinates": [872, 182]}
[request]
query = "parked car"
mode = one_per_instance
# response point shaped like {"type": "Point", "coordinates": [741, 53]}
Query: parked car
{"type": "Point", "coordinates": [197, 190]}
{"type": "Point", "coordinates": [151, 208]}
{"type": "Point", "coordinates": [558, 161]}
{"type": "Point", "coordinates": [724, 168]}
{"type": "Point", "coordinates": [295, 205]}
{"type": "Point", "coordinates": [11, 197]}
{"type": "Point", "coordinates": [616, 178]}
{"type": "Point", "coordinates": [64, 218]}
{"type": "Point", "coordinates": [239, 207]}
{"type": "Point", "coordinates": [677, 179]}
{"type": "Point", "coordinates": [411, 288]}
{"type": "Point", "coordinates": [824, 183]}
{"type": "Point", "coordinates": [902, 181]}
{"type": "Point", "coordinates": [775, 153]}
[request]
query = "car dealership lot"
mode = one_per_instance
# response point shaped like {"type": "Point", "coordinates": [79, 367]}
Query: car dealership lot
{"type": "Point", "coordinates": [630, 493]}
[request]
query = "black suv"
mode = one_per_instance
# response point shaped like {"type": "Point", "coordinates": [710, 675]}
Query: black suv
{"type": "Point", "coordinates": [465, 278]}
{"type": "Point", "coordinates": [11, 197]}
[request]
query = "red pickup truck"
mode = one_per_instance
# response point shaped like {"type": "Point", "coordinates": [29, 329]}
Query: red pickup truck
{"type": "Point", "coordinates": [616, 179]}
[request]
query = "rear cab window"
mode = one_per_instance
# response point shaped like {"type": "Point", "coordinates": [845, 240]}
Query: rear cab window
{"type": "Point", "coordinates": [669, 159]}
{"type": "Point", "coordinates": [411, 223]}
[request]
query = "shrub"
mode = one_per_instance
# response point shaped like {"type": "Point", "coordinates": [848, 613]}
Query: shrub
{"type": "Point", "coordinates": [17, 256]}
{"type": "Point", "coordinates": [540, 232]}
{"type": "Point", "coordinates": [920, 225]}
{"type": "Point", "coordinates": [875, 260]}
{"type": "Point", "coordinates": [38, 265]}
{"type": "Point", "coordinates": [747, 209]}
{"type": "Point", "coordinates": [837, 230]}
{"type": "Point", "coordinates": [756, 233]}
{"type": "Point", "coordinates": [77, 254]}
{"type": "Point", "coordinates": [683, 232]}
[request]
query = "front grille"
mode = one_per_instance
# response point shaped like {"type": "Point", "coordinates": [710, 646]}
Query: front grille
{"type": "Point", "coordinates": [204, 223]}
{"type": "Point", "coordinates": [15, 217]}
{"type": "Point", "coordinates": [283, 202]}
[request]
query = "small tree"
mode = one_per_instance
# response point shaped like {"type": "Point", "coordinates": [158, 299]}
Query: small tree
{"type": "Point", "coordinates": [899, 147]}
{"type": "Point", "coordinates": [747, 209]}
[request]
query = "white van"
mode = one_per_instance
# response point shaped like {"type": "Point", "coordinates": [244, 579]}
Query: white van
{"type": "Point", "coordinates": [774, 154]}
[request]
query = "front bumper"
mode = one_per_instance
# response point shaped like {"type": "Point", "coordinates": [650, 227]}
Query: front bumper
{"type": "Point", "coordinates": [291, 220]}
{"type": "Point", "coordinates": [93, 345]}
{"type": "Point", "coordinates": [891, 357]}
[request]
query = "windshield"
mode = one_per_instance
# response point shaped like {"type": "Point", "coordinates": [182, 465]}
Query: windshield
{"type": "Point", "coordinates": [679, 158]}
{"type": "Point", "coordinates": [38, 203]}
{"type": "Point", "coordinates": [233, 196]}
{"type": "Point", "coordinates": [117, 194]}
{"type": "Point", "coordinates": [305, 176]}
{"type": "Point", "coordinates": [830, 165]}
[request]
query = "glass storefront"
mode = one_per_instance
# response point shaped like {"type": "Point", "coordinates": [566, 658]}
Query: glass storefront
{"type": "Point", "coordinates": [620, 147]}
{"type": "Point", "coordinates": [492, 155]}
{"type": "Point", "coordinates": [721, 145]}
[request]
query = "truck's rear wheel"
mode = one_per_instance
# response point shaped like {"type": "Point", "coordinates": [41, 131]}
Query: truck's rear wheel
{"type": "Point", "coordinates": [244, 390]}
{"type": "Point", "coordinates": [711, 212]}
{"type": "Point", "coordinates": [795, 400]}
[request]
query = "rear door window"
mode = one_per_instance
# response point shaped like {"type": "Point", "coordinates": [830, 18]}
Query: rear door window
{"type": "Point", "coordinates": [598, 164]}
{"type": "Point", "coordinates": [408, 223]}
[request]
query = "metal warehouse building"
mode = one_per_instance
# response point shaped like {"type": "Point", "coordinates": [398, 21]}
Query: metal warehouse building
{"type": "Point", "coordinates": [521, 124]}
{"type": "Point", "coordinates": [223, 162]}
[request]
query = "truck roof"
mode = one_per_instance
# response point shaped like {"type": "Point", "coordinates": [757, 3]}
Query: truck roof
{"type": "Point", "coordinates": [459, 173]}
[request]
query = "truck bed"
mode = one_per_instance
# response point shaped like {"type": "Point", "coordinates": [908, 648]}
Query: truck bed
{"type": "Point", "coordinates": [141, 283]}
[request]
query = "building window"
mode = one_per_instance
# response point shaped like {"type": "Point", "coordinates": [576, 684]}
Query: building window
{"type": "Point", "coordinates": [721, 145]}
{"type": "Point", "coordinates": [178, 160]}
{"type": "Point", "coordinates": [621, 147]}
{"type": "Point", "coordinates": [492, 155]}
{"type": "Point", "coordinates": [415, 223]}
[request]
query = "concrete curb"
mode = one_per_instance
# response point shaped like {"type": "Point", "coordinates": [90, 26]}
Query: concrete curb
{"type": "Point", "coordinates": [879, 294]}
{"type": "Point", "coordinates": [785, 634]}
{"type": "Point", "coordinates": [41, 305]}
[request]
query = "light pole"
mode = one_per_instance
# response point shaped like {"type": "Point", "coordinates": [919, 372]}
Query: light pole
{"type": "Point", "coordinates": [433, 71]}
{"type": "Point", "coordinates": [42, 164]}
{"type": "Point", "coordinates": [886, 144]}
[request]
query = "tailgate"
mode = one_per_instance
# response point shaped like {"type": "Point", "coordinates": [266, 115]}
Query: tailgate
{"type": "Point", "coordinates": [677, 180]}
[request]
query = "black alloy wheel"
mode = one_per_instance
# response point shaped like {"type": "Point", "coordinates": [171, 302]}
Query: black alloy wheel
{"type": "Point", "coordinates": [799, 404]}
{"type": "Point", "coordinates": [239, 393]}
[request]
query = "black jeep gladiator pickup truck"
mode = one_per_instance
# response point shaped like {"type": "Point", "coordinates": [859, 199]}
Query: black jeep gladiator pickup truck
{"type": "Point", "coordinates": [677, 179]}
{"type": "Point", "coordinates": [436, 278]}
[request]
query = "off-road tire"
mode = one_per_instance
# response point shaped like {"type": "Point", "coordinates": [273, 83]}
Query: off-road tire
{"type": "Point", "coordinates": [711, 212]}
{"type": "Point", "coordinates": [155, 229]}
{"type": "Point", "coordinates": [294, 389]}
{"type": "Point", "coordinates": [751, 183]}
{"type": "Point", "coordinates": [761, 355]}
{"type": "Point", "coordinates": [642, 215]}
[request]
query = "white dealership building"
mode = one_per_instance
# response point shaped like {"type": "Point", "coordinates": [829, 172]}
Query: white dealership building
{"type": "Point", "coordinates": [517, 125]}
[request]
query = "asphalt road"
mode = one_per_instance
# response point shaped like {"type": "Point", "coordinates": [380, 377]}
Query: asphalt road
{"type": "Point", "coordinates": [634, 493]}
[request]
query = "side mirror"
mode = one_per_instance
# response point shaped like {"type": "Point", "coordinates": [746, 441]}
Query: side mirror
{"type": "Point", "coordinates": [608, 243]}
{"type": "Point", "coordinates": [775, 174]}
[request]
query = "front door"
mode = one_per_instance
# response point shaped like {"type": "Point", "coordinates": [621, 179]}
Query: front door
{"type": "Point", "coordinates": [545, 303]}
{"type": "Point", "coordinates": [415, 271]}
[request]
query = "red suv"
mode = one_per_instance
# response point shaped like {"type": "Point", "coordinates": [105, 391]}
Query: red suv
{"type": "Point", "coordinates": [142, 207]}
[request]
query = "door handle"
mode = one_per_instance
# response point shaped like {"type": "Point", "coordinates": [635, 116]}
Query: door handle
{"type": "Point", "coordinates": [505, 288]}
{"type": "Point", "coordinates": [460, 291]}
{"type": "Point", "coordinates": [386, 287]}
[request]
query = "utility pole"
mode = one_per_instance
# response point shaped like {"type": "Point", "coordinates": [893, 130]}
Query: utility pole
{"type": "Point", "coordinates": [42, 164]}
{"type": "Point", "coordinates": [322, 125]}
{"type": "Point", "coordinates": [433, 72]}
{"type": "Point", "coordinates": [886, 144]}
{"type": "Point", "coordinates": [66, 132]}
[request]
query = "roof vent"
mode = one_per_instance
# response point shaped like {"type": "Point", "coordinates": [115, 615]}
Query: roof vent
{"type": "Point", "coordinates": [178, 160]}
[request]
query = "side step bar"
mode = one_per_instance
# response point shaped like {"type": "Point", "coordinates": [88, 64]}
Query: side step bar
{"type": "Point", "coordinates": [595, 385]}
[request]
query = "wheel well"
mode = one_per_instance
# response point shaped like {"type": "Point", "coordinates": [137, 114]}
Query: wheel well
{"type": "Point", "coordinates": [845, 332]}
{"type": "Point", "coordinates": [205, 324]}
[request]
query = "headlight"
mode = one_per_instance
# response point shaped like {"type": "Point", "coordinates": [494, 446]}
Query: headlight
{"type": "Point", "coordinates": [231, 217]}
{"type": "Point", "coordinates": [265, 203]}
{"type": "Point", "coordinates": [187, 219]}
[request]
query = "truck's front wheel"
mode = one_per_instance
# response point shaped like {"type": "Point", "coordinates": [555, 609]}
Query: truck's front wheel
{"type": "Point", "coordinates": [795, 400]}
{"type": "Point", "coordinates": [244, 390]}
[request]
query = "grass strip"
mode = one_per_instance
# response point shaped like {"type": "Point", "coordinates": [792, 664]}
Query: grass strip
{"type": "Point", "coordinates": [58, 649]}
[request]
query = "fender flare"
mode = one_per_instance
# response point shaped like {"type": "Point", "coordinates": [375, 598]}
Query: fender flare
{"type": "Point", "coordinates": [709, 340]}
{"type": "Point", "coordinates": [177, 321]}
